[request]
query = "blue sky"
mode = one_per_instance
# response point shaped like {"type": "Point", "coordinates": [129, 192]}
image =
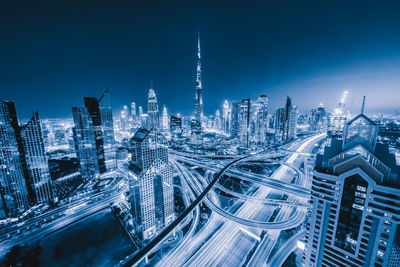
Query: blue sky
{"type": "Point", "coordinates": [53, 53]}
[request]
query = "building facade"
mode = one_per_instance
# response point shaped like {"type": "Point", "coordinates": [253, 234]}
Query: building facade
{"type": "Point", "coordinates": [14, 198]}
{"type": "Point", "coordinates": [152, 111]}
{"type": "Point", "coordinates": [279, 124]}
{"type": "Point", "coordinates": [94, 139]}
{"type": "Point", "coordinates": [175, 126]}
{"type": "Point", "coordinates": [165, 122]}
{"type": "Point", "coordinates": [355, 215]}
{"type": "Point", "coordinates": [151, 185]}
{"type": "Point", "coordinates": [85, 143]}
{"type": "Point", "coordinates": [234, 129]}
{"type": "Point", "coordinates": [93, 107]}
{"type": "Point", "coordinates": [37, 160]}
{"type": "Point", "coordinates": [244, 122]}
{"type": "Point", "coordinates": [107, 123]}
{"type": "Point", "coordinates": [259, 120]}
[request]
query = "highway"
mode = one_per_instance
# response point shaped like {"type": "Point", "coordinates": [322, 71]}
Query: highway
{"type": "Point", "coordinates": [223, 241]}
{"type": "Point", "coordinates": [282, 185]}
{"type": "Point", "coordinates": [136, 258]}
{"type": "Point", "coordinates": [296, 218]}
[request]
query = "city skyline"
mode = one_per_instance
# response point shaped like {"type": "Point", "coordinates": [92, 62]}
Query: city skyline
{"type": "Point", "coordinates": [315, 60]}
{"type": "Point", "coordinates": [253, 133]}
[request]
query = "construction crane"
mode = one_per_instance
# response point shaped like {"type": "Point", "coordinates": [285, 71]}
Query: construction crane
{"type": "Point", "coordinates": [101, 97]}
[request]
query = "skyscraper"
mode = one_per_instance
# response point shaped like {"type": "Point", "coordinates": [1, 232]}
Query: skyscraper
{"type": "Point", "coordinates": [124, 119]}
{"type": "Point", "coordinates": [37, 160]}
{"type": "Point", "coordinates": [165, 119]}
{"type": "Point", "coordinates": [355, 215]}
{"type": "Point", "coordinates": [13, 121]}
{"type": "Point", "coordinates": [288, 112]}
{"type": "Point", "coordinates": [143, 118]}
{"type": "Point", "coordinates": [318, 118]}
{"type": "Point", "coordinates": [85, 143]}
{"type": "Point", "coordinates": [259, 119]}
{"type": "Point", "coordinates": [218, 121]}
{"type": "Point", "coordinates": [337, 120]}
{"type": "Point", "coordinates": [32, 156]}
{"type": "Point", "coordinates": [13, 192]}
{"type": "Point", "coordinates": [286, 126]}
{"type": "Point", "coordinates": [151, 183]}
{"type": "Point", "coordinates": [292, 123]}
{"type": "Point", "coordinates": [244, 121]}
{"type": "Point", "coordinates": [93, 108]}
{"type": "Point", "coordinates": [235, 119]}
{"type": "Point", "coordinates": [195, 130]}
{"type": "Point", "coordinates": [226, 117]}
{"type": "Point", "coordinates": [133, 112]}
{"type": "Point", "coordinates": [94, 137]}
{"type": "Point", "coordinates": [279, 123]}
{"type": "Point", "coordinates": [152, 110]}
{"type": "Point", "coordinates": [175, 126]}
{"type": "Point", "coordinates": [110, 152]}
{"type": "Point", "coordinates": [198, 107]}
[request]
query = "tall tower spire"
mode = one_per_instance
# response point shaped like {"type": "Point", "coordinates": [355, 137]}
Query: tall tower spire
{"type": "Point", "coordinates": [198, 112]}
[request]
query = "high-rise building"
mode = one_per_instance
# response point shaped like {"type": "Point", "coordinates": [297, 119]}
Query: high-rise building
{"type": "Point", "coordinates": [218, 121]}
{"type": "Point", "coordinates": [235, 119]}
{"type": "Point", "coordinates": [165, 119]}
{"type": "Point", "coordinates": [318, 119]}
{"type": "Point", "coordinates": [110, 152]}
{"type": "Point", "coordinates": [133, 112]}
{"type": "Point", "coordinates": [355, 215]}
{"type": "Point", "coordinates": [226, 117]}
{"type": "Point", "coordinates": [195, 130]}
{"type": "Point", "coordinates": [152, 110]}
{"type": "Point", "coordinates": [279, 123]}
{"type": "Point", "coordinates": [92, 105]}
{"type": "Point", "coordinates": [259, 120]}
{"type": "Point", "coordinates": [85, 143]}
{"type": "Point", "coordinates": [37, 160]}
{"type": "Point", "coordinates": [14, 197]}
{"type": "Point", "coordinates": [13, 120]}
{"type": "Point", "coordinates": [198, 107]}
{"type": "Point", "coordinates": [286, 122]}
{"type": "Point", "coordinates": [244, 122]}
{"type": "Point", "coordinates": [175, 126]}
{"type": "Point", "coordinates": [292, 123]}
{"type": "Point", "coordinates": [151, 186]}
{"type": "Point", "coordinates": [337, 120]}
{"type": "Point", "coordinates": [32, 156]}
{"type": "Point", "coordinates": [94, 137]}
{"type": "Point", "coordinates": [123, 120]}
{"type": "Point", "coordinates": [290, 120]}
{"type": "Point", "coordinates": [143, 118]}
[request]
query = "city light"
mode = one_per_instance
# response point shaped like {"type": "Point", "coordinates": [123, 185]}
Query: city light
{"type": "Point", "coordinates": [268, 139]}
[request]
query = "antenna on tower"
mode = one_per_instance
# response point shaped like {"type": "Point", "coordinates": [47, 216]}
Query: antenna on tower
{"type": "Point", "coordinates": [363, 105]}
{"type": "Point", "coordinates": [198, 45]}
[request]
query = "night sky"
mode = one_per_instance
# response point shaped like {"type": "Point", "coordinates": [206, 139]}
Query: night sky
{"type": "Point", "coordinates": [53, 53]}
